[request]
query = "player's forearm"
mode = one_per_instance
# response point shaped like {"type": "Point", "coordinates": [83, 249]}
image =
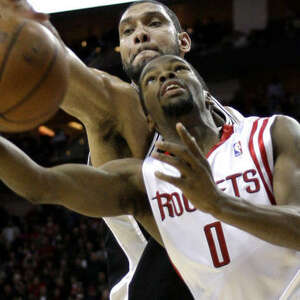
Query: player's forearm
{"type": "Point", "coordinates": [88, 97]}
{"type": "Point", "coordinates": [86, 88]}
{"type": "Point", "coordinates": [278, 225]}
{"type": "Point", "coordinates": [80, 188]}
{"type": "Point", "coordinates": [20, 173]}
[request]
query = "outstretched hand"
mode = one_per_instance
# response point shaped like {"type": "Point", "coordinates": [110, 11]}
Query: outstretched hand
{"type": "Point", "coordinates": [196, 180]}
{"type": "Point", "coordinates": [23, 9]}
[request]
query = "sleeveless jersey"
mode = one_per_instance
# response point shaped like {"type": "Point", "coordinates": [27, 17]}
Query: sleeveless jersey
{"type": "Point", "coordinates": [217, 260]}
{"type": "Point", "coordinates": [128, 234]}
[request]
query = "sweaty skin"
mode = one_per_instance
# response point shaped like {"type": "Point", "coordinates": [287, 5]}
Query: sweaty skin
{"type": "Point", "coordinates": [108, 107]}
{"type": "Point", "coordinates": [113, 113]}
{"type": "Point", "coordinates": [279, 224]}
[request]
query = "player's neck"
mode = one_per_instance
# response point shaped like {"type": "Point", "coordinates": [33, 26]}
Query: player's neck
{"type": "Point", "coordinates": [205, 131]}
{"type": "Point", "coordinates": [206, 137]}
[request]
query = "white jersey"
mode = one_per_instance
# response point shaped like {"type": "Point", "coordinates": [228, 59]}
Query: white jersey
{"type": "Point", "coordinates": [132, 241]}
{"type": "Point", "coordinates": [216, 260]}
{"type": "Point", "coordinates": [129, 236]}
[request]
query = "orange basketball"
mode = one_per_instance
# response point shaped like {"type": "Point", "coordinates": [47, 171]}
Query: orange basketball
{"type": "Point", "coordinates": [33, 74]}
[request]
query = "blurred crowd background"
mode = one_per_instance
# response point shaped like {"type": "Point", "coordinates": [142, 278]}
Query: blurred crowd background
{"type": "Point", "coordinates": [51, 253]}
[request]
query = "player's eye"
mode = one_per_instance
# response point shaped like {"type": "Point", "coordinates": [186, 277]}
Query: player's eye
{"type": "Point", "coordinates": [127, 31]}
{"type": "Point", "coordinates": [179, 68]}
{"type": "Point", "coordinates": [155, 23]}
{"type": "Point", "coordinates": [149, 80]}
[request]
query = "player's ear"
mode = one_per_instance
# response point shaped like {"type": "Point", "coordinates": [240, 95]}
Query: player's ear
{"type": "Point", "coordinates": [151, 123]}
{"type": "Point", "coordinates": [184, 42]}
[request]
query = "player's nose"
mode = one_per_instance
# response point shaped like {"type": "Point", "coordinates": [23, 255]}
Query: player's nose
{"type": "Point", "coordinates": [166, 75]}
{"type": "Point", "coordinates": [141, 35]}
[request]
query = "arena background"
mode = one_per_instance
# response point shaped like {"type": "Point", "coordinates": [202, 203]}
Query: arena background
{"type": "Point", "coordinates": [249, 54]}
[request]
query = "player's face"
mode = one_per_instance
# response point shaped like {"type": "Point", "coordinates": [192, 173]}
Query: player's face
{"type": "Point", "coordinates": [145, 31]}
{"type": "Point", "coordinates": [170, 88]}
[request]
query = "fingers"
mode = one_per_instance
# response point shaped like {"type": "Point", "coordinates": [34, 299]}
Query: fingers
{"type": "Point", "coordinates": [41, 17]}
{"type": "Point", "coordinates": [190, 153]}
{"type": "Point", "coordinates": [24, 9]}
{"type": "Point", "coordinates": [173, 161]}
{"type": "Point", "coordinates": [185, 158]}
{"type": "Point", "coordinates": [171, 179]}
{"type": "Point", "coordinates": [184, 134]}
{"type": "Point", "coordinates": [28, 11]}
{"type": "Point", "coordinates": [188, 140]}
{"type": "Point", "coordinates": [179, 151]}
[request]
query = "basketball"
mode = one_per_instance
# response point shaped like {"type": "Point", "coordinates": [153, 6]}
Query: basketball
{"type": "Point", "coordinates": [33, 74]}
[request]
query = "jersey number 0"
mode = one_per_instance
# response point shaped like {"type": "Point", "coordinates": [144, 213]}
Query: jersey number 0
{"type": "Point", "coordinates": [215, 237]}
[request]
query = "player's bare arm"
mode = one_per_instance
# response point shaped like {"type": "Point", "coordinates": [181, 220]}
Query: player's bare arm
{"type": "Point", "coordinates": [278, 224]}
{"type": "Point", "coordinates": [116, 188]}
{"type": "Point", "coordinates": [101, 101]}
{"type": "Point", "coordinates": [110, 110]}
{"type": "Point", "coordinates": [110, 187]}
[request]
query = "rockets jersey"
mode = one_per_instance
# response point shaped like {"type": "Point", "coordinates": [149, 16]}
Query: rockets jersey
{"type": "Point", "coordinates": [217, 260]}
{"type": "Point", "coordinates": [128, 234]}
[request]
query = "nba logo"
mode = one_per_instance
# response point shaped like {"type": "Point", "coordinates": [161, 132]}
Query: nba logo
{"type": "Point", "coordinates": [237, 148]}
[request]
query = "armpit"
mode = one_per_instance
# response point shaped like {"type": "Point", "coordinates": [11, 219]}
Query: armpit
{"type": "Point", "coordinates": [137, 205]}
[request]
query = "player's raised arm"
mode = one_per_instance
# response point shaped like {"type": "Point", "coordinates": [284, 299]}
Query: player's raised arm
{"type": "Point", "coordinates": [101, 101]}
{"type": "Point", "coordinates": [109, 108]}
{"type": "Point", "coordinates": [107, 191]}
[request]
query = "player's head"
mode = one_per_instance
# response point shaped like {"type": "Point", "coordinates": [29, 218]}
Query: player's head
{"type": "Point", "coordinates": [171, 90]}
{"type": "Point", "coordinates": [148, 29]}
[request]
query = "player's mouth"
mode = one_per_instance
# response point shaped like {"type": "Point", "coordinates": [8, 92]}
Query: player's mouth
{"type": "Point", "coordinates": [145, 51]}
{"type": "Point", "coordinates": [171, 88]}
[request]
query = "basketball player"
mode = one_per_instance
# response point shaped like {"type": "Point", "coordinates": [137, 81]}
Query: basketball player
{"type": "Point", "coordinates": [229, 242]}
{"type": "Point", "coordinates": [105, 103]}
{"type": "Point", "coordinates": [246, 191]}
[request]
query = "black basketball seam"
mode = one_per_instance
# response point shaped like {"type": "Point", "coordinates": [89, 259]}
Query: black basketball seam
{"type": "Point", "coordinates": [34, 89]}
{"type": "Point", "coordinates": [10, 46]}
{"type": "Point", "coordinates": [25, 121]}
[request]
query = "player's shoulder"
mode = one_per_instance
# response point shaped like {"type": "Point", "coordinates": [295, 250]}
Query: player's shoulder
{"type": "Point", "coordinates": [285, 122]}
{"type": "Point", "coordinates": [255, 128]}
{"type": "Point", "coordinates": [285, 133]}
{"type": "Point", "coordinates": [256, 121]}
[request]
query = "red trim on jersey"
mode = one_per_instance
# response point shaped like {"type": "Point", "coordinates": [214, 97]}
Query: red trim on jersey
{"type": "Point", "coordinates": [176, 270]}
{"type": "Point", "coordinates": [227, 132]}
{"type": "Point", "coordinates": [263, 151]}
{"type": "Point", "coordinates": [254, 157]}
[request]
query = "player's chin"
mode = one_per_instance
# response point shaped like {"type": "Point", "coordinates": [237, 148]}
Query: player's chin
{"type": "Point", "coordinates": [177, 106]}
{"type": "Point", "coordinates": [141, 63]}
{"type": "Point", "coordinates": [174, 97]}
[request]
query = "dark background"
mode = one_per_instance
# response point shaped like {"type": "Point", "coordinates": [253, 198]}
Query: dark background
{"type": "Point", "coordinates": [50, 253]}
